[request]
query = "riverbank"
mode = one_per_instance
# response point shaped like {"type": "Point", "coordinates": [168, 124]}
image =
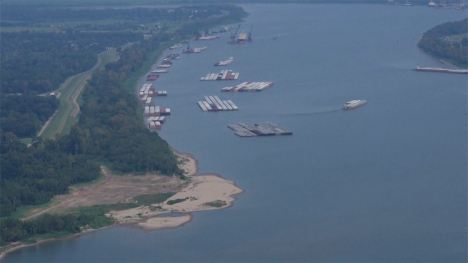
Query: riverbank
{"type": "Point", "coordinates": [204, 192]}
{"type": "Point", "coordinates": [196, 193]}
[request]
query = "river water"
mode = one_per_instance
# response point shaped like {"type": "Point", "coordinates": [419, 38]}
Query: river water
{"type": "Point", "coordinates": [386, 182]}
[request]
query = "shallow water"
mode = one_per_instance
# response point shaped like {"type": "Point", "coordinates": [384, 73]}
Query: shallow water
{"type": "Point", "coordinates": [386, 182]}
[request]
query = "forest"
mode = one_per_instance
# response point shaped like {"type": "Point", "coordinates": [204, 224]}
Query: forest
{"type": "Point", "coordinates": [24, 114]}
{"type": "Point", "coordinates": [41, 61]}
{"type": "Point", "coordinates": [109, 129]}
{"type": "Point", "coordinates": [447, 41]}
{"type": "Point", "coordinates": [33, 175]}
{"type": "Point", "coordinates": [12, 14]}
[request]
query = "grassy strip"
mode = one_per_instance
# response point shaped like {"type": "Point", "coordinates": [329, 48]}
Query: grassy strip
{"type": "Point", "coordinates": [152, 198]}
{"type": "Point", "coordinates": [62, 121]}
{"type": "Point", "coordinates": [26, 140]}
{"type": "Point", "coordinates": [58, 121]}
{"type": "Point", "coordinates": [24, 211]}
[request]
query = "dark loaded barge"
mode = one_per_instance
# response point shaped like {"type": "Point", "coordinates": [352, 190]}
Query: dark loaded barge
{"type": "Point", "coordinates": [262, 129]}
{"type": "Point", "coordinates": [152, 77]}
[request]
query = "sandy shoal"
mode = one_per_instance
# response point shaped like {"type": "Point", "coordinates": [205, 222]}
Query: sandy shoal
{"type": "Point", "coordinates": [197, 196]}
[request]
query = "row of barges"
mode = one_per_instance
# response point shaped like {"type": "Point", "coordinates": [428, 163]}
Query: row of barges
{"type": "Point", "coordinates": [213, 103]}
{"type": "Point", "coordinates": [249, 86]}
{"type": "Point", "coordinates": [223, 75]}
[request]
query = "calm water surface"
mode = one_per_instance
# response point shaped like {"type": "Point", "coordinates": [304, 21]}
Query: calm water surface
{"type": "Point", "coordinates": [386, 182]}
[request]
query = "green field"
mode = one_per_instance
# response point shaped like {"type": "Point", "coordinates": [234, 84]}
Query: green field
{"type": "Point", "coordinates": [62, 121]}
{"type": "Point", "coordinates": [26, 140]}
{"type": "Point", "coordinates": [26, 210]}
{"type": "Point", "coordinates": [150, 199]}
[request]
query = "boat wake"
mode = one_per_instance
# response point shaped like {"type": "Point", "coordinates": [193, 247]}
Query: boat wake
{"type": "Point", "coordinates": [321, 111]}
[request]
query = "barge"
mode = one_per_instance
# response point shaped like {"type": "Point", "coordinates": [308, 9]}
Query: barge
{"type": "Point", "coordinates": [173, 56]}
{"type": "Point", "coordinates": [152, 110]}
{"type": "Point", "coordinates": [154, 123]}
{"type": "Point", "coordinates": [223, 75]}
{"type": "Point", "coordinates": [148, 91]}
{"type": "Point", "coordinates": [249, 86]}
{"type": "Point", "coordinates": [160, 71]}
{"type": "Point", "coordinates": [353, 104]}
{"type": "Point", "coordinates": [213, 103]}
{"type": "Point", "coordinates": [442, 70]}
{"type": "Point", "coordinates": [242, 38]}
{"type": "Point", "coordinates": [224, 62]}
{"type": "Point", "coordinates": [262, 129]}
{"type": "Point", "coordinates": [210, 37]}
{"type": "Point", "coordinates": [175, 46]}
{"type": "Point", "coordinates": [152, 77]}
{"type": "Point", "coordinates": [193, 50]}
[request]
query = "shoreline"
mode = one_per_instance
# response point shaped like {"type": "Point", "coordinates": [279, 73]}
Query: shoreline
{"type": "Point", "coordinates": [75, 235]}
{"type": "Point", "coordinates": [208, 191]}
{"type": "Point", "coordinates": [155, 224]}
{"type": "Point", "coordinates": [441, 60]}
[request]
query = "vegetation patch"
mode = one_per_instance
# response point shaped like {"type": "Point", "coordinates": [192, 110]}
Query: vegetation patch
{"type": "Point", "coordinates": [175, 201]}
{"type": "Point", "coordinates": [217, 203]}
{"type": "Point", "coordinates": [448, 42]}
{"type": "Point", "coordinates": [150, 199]}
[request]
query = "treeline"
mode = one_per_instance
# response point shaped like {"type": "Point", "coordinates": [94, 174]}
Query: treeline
{"type": "Point", "coordinates": [13, 230]}
{"type": "Point", "coordinates": [24, 114]}
{"type": "Point", "coordinates": [39, 61]}
{"type": "Point", "coordinates": [109, 127]}
{"type": "Point", "coordinates": [32, 15]}
{"type": "Point", "coordinates": [33, 175]}
{"type": "Point", "coordinates": [439, 42]}
{"type": "Point", "coordinates": [108, 130]}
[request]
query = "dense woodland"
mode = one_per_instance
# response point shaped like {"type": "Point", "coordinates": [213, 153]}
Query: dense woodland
{"type": "Point", "coordinates": [33, 175]}
{"type": "Point", "coordinates": [441, 42]}
{"type": "Point", "coordinates": [108, 130]}
{"type": "Point", "coordinates": [12, 14]}
{"type": "Point", "coordinates": [40, 61]}
{"type": "Point", "coordinates": [12, 229]}
{"type": "Point", "coordinates": [24, 114]}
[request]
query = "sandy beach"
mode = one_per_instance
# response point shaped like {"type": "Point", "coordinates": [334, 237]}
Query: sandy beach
{"type": "Point", "coordinates": [204, 192]}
